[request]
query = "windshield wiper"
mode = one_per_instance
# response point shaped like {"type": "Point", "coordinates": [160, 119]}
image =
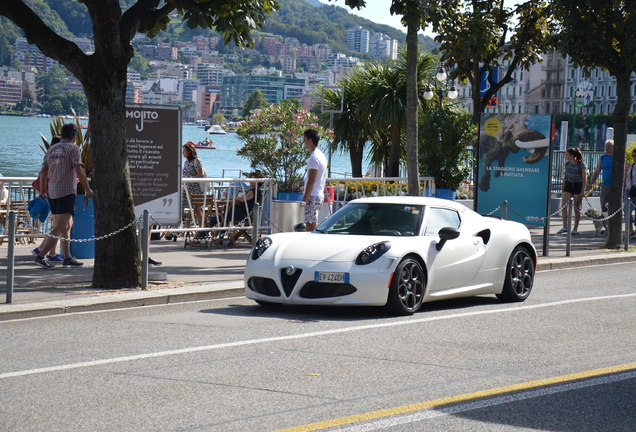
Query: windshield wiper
{"type": "Point", "coordinates": [321, 231]}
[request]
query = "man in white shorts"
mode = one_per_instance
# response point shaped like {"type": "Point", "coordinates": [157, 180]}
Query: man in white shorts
{"type": "Point", "coordinates": [315, 179]}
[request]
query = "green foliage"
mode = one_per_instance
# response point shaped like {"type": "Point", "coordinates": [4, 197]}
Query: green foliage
{"type": "Point", "coordinates": [7, 38]}
{"type": "Point", "coordinates": [255, 101]}
{"type": "Point", "coordinates": [218, 119]}
{"type": "Point", "coordinates": [49, 83]}
{"type": "Point", "coordinates": [444, 137]}
{"type": "Point", "coordinates": [139, 63]}
{"type": "Point", "coordinates": [475, 36]}
{"type": "Point", "coordinates": [597, 33]}
{"type": "Point", "coordinates": [74, 15]}
{"type": "Point", "coordinates": [274, 143]}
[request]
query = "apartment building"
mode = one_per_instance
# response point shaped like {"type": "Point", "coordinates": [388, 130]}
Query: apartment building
{"type": "Point", "coordinates": [236, 89]}
{"type": "Point", "coordinates": [358, 39]}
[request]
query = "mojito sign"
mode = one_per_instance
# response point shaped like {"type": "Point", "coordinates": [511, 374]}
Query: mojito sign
{"type": "Point", "coordinates": [153, 141]}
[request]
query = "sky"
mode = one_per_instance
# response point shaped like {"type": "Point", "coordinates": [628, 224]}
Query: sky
{"type": "Point", "coordinates": [378, 12]}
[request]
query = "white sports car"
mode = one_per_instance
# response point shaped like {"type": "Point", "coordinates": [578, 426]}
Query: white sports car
{"type": "Point", "coordinates": [393, 251]}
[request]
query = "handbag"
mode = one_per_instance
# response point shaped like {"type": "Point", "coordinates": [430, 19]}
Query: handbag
{"type": "Point", "coordinates": [203, 185]}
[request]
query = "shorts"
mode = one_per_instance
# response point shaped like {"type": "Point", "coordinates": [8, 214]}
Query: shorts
{"type": "Point", "coordinates": [574, 188]}
{"type": "Point", "coordinates": [312, 208]}
{"type": "Point", "coordinates": [64, 205]}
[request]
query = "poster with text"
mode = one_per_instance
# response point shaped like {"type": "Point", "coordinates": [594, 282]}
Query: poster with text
{"type": "Point", "coordinates": [153, 139]}
{"type": "Point", "coordinates": [514, 165]}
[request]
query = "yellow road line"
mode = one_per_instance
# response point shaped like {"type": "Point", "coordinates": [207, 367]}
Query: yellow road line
{"type": "Point", "coordinates": [459, 398]}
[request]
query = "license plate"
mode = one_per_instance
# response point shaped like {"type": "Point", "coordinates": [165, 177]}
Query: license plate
{"type": "Point", "coordinates": [331, 277]}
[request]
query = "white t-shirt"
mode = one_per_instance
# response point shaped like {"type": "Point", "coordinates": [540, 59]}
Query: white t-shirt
{"type": "Point", "coordinates": [4, 193]}
{"type": "Point", "coordinates": [318, 161]}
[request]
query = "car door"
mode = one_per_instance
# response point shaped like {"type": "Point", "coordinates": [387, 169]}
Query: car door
{"type": "Point", "coordinates": [459, 260]}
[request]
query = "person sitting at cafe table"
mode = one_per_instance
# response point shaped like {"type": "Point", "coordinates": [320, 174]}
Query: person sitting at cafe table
{"type": "Point", "coordinates": [241, 206]}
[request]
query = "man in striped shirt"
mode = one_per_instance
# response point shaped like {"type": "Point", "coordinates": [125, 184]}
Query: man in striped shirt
{"type": "Point", "coordinates": [63, 166]}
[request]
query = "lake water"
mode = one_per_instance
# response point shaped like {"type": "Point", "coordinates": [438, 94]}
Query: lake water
{"type": "Point", "coordinates": [21, 156]}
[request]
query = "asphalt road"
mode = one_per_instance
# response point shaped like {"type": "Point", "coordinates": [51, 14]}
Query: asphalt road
{"type": "Point", "coordinates": [565, 360]}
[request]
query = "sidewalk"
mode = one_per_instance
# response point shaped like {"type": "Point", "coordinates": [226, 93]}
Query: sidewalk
{"type": "Point", "coordinates": [197, 274]}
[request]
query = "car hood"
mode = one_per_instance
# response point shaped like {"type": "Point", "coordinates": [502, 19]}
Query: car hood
{"type": "Point", "coordinates": [322, 247]}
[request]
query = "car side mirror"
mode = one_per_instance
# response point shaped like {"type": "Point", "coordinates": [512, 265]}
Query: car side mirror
{"type": "Point", "coordinates": [300, 227]}
{"type": "Point", "coordinates": [445, 234]}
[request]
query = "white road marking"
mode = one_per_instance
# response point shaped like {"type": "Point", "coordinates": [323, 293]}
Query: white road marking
{"type": "Point", "coordinates": [405, 321]}
{"type": "Point", "coordinates": [484, 403]}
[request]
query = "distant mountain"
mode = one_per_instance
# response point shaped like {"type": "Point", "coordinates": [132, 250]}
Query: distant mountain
{"type": "Point", "coordinates": [311, 21]}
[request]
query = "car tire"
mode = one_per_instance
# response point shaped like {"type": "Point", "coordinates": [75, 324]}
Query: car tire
{"type": "Point", "coordinates": [519, 276]}
{"type": "Point", "coordinates": [407, 288]}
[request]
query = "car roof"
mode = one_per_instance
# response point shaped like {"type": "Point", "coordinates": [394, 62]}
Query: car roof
{"type": "Point", "coordinates": [414, 200]}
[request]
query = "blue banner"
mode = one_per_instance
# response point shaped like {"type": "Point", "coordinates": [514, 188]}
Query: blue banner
{"type": "Point", "coordinates": [484, 86]}
{"type": "Point", "coordinates": [514, 161]}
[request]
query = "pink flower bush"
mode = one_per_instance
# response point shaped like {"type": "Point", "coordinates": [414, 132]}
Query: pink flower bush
{"type": "Point", "coordinates": [274, 143]}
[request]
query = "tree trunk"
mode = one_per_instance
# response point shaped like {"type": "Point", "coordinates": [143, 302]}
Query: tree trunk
{"type": "Point", "coordinates": [412, 162]}
{"type": "Point", "coordinates": [395, 151]}
{"type": "Point", "coordinates": [475, 94]}
{"type": "Point", "coordinates": [619, 120]}
{"type": "Point", "coordinates": [117, 263]}
{"type": "Point", "coordinates": [356, 156]}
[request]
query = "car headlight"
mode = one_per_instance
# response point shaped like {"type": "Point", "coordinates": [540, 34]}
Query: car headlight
{"type": "Point", "coordinates": [260, 247]}
{"type": "Point", "coordinates": [373, 252]}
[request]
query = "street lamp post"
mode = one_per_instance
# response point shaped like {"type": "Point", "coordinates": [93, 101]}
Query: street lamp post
{"type": "Point", "coordinates": [444, 88]}
{"type": "Point", "coordinates": [340, 91]}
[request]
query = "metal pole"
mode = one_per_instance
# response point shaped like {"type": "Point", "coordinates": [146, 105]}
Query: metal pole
{"type": "Point", "coordinates": [256, 223]}
{"type": "Point", "coordinates": [504, 210]}
{"type": "Point", "coordinates": [330, 128]}
{"type": "Point", "coordinates": [144, 250]}
{"type": "Point", "coordinates": [568, 244]}
{"type": "Point", "coordinates": [628, 213]}
{"type": "Point", "coordinates": [10, 257]}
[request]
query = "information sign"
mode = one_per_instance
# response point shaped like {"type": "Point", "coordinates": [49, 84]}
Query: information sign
{"type": "Point", "coordinates": [153, 140]}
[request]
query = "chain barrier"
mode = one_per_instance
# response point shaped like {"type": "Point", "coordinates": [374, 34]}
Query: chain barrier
{"type": "Point", "coordinates": [603, 219]}
{"type": "Point", "coordinates": [494, 211]}
{"type": "Point", "coordinates": [534, 218]}
{"type": "Point", "coordinates": [87, 240]}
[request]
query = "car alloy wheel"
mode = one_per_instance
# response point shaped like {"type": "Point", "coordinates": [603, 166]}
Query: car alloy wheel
{"type": "Point", "coordinates": [519, 276]}
{"type": "Point", "coordinates": [407, 288]}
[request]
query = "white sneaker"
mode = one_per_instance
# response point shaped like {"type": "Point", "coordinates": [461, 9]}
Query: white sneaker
{"type": "Point", "coordinates": [562, 231]}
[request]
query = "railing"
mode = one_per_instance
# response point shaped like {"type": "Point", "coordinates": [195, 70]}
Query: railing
{"type": "Point", "coordinates": [221, 192]}
{"type": "Point", "coordinates": [558, 165]}
{"type": "Point", "coordinates": [348, 188]}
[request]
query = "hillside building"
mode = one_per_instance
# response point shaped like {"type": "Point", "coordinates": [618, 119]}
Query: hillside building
{"type": "Point", "coordinates": [358, 39]}
{"type": "Point", "coordinates": [235, 90]}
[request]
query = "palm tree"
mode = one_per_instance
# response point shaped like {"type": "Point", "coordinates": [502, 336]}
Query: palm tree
{"type": "Point", "coordinates": [351, 127]}
{"type": "Point", "coordinates": [385, 104]}
{"type": "Point", "coordinates": [385, 100]}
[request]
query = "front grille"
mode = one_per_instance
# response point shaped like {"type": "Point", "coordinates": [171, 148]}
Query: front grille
{"type": "Point", "coordinates": [289, 281]}
{"type": "Point", "coordinates": [264, 286]}
{"type": "Point", "coordinates": [315, 290]}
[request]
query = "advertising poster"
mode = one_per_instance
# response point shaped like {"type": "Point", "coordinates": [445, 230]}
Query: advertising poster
{"type": "Point", "coordinates": [514, 165]}
{"type": "Point", "coordinates": [153, 139]}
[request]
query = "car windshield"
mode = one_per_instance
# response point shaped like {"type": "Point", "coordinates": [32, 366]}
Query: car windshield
{"type": "Point", "coordinates": [374, 219]}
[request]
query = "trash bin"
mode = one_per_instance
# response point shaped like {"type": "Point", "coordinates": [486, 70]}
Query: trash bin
{"type": "Point", "coordinates": [83, 227]}
{"type": "Point", "coordinates": [285, 214]}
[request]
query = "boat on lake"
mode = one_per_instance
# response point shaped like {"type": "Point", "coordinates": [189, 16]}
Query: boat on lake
{"type": "Point", "coordinates": [215, 130]}
{"type": "Point", "coordinates": [205, 144]}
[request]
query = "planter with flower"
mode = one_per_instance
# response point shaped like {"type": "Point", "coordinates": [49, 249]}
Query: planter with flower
{"type": "Point", "coordinates": [273, 143]}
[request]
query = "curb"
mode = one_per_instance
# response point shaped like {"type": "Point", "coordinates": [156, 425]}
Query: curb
{"type": "Point", "coordinates": [570, 262]}
{"type": "Point", "coordinates": [121, 301]}
{"type": "Point", "coordinates": [224, 289]}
